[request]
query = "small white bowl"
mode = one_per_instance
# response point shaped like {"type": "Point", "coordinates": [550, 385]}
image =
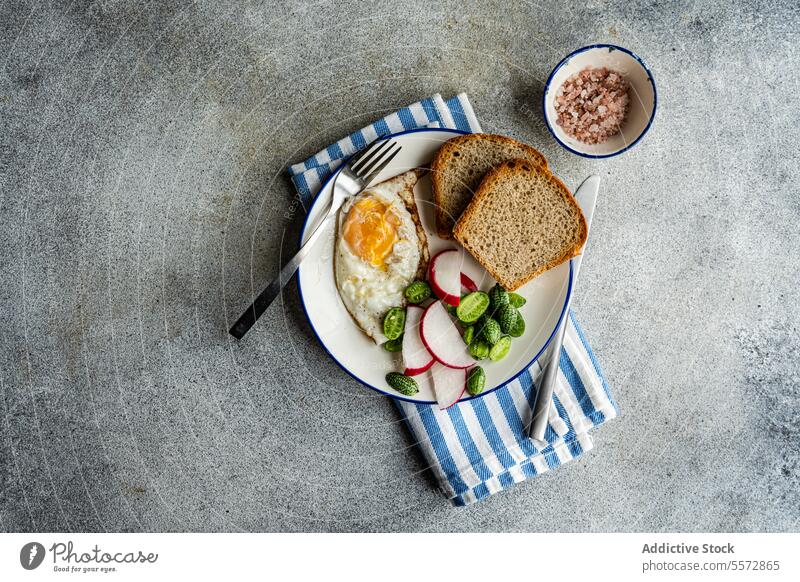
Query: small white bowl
{"type": "Point", "coordinates": [643, 98]}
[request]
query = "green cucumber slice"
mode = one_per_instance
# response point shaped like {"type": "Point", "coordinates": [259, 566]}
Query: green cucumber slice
{"type": "Point", "coordinates": [500, 349]}
{"type": "Point", "coordinates": [516, 300]}
{"type": "Point", "coordinates": [518, 328]}
{"type": "Point", "coordinates": [394, 345]}
{"type": "Point", "coordinates": [469, 334]}
{"type": "Point", "coordinates": [418, 292]}
{"type": "Point", "coordinates": [472, 306]}
{"type": "Point", "coordinates": [394, 322]}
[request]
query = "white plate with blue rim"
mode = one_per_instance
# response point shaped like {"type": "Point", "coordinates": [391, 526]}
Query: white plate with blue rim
{"type": "Point", "coordinates": [546, 296]}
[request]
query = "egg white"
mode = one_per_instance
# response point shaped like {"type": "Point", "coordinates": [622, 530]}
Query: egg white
{"type": "Point", "coordinates": [368, 291]}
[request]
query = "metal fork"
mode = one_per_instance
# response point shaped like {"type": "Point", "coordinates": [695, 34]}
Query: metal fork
{"type": "Point", "coordinates": [354, 177]}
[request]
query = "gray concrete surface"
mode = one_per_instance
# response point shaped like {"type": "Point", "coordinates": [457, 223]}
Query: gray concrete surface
{"type": "Point", "coordinates": [142, 156]}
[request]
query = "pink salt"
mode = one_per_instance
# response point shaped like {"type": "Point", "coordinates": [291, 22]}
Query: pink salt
{"type": "Point", "coordinates": [592, 104]}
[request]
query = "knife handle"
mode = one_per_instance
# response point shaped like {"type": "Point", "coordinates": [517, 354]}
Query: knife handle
{"type": "Point", "coordinates": [541, 407]}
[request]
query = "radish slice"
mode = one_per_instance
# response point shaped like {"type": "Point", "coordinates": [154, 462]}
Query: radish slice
{"type": "Point", "coordinates": [442, 338]}
{"type": "Point", "coordinates": [446, 276]}
{"type": "Point", "coordinates": [448, 384]}
{"type": "Point", "coordinates": [468, 283]}
{"type": "Point", "coordinates": [416, 357]}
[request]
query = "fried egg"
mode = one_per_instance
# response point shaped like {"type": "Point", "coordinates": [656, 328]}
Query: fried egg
{"type": "Point", "coordinates": [380, 248]}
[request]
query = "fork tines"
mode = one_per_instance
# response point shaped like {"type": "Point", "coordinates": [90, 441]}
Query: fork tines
{"type": "Point", "coordinates": [369, 163]}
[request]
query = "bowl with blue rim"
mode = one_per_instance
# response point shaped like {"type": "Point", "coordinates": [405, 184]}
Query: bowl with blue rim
{"type": "Point", "coordinates": [643, 98]}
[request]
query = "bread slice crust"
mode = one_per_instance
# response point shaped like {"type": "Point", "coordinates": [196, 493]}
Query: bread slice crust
{"type": "Point", "coordinates": [445, 219]}
{"type": "Point", "coordinates": [487, 189]}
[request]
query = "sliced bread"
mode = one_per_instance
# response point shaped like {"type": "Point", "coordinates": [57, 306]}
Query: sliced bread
{"type": "Point", "coordinates": [521, 222]}
{"type": "Point", "coordinates": [460, 165]}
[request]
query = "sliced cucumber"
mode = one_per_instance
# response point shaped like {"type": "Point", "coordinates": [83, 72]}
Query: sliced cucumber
{"type": "Point", "coordinates": [519, 326]}
{"type": "Point", "coordinates": [472, 306]}
{"type": "Point", "coordinates": [500, 349]}
{"type": "Point", "coordinates": [394, 345]}
{"type": "Point", "coordinates": [418, 292]}
{"type": "Point", "coordinates": [394, 322]}
{"type": "Point", "coordinates": [516, 300]}
{"type": "Point", "coordinates": [469, 334]}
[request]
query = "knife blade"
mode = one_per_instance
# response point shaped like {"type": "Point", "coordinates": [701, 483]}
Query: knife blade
{"type": "Point", "coordinates": [587, 198]}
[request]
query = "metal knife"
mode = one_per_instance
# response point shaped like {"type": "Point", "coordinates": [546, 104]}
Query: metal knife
{"type": "Point", "coordinates": [586, 197]}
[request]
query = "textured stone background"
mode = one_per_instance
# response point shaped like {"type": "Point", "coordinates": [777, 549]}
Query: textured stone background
{"type": "Point", "coordinates": [142, 156]}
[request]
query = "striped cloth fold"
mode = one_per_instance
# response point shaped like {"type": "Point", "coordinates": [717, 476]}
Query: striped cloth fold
{"type": "Point", "coordinates": [479, 447]}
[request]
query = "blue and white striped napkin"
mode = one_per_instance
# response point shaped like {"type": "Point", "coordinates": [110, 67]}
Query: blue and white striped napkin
{"type": "Point", "coordinates": [480, 447]}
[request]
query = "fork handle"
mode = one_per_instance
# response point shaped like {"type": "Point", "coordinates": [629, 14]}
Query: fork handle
{"type": "Point", "coordinates": [268, 295]}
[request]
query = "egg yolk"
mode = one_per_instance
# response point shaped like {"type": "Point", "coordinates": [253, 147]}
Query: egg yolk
{"type": "Point", "coordinates": [371, 230]}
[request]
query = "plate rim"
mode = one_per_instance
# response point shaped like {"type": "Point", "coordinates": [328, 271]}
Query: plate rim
{"type": "Point", "coordinates": [340, 364]}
